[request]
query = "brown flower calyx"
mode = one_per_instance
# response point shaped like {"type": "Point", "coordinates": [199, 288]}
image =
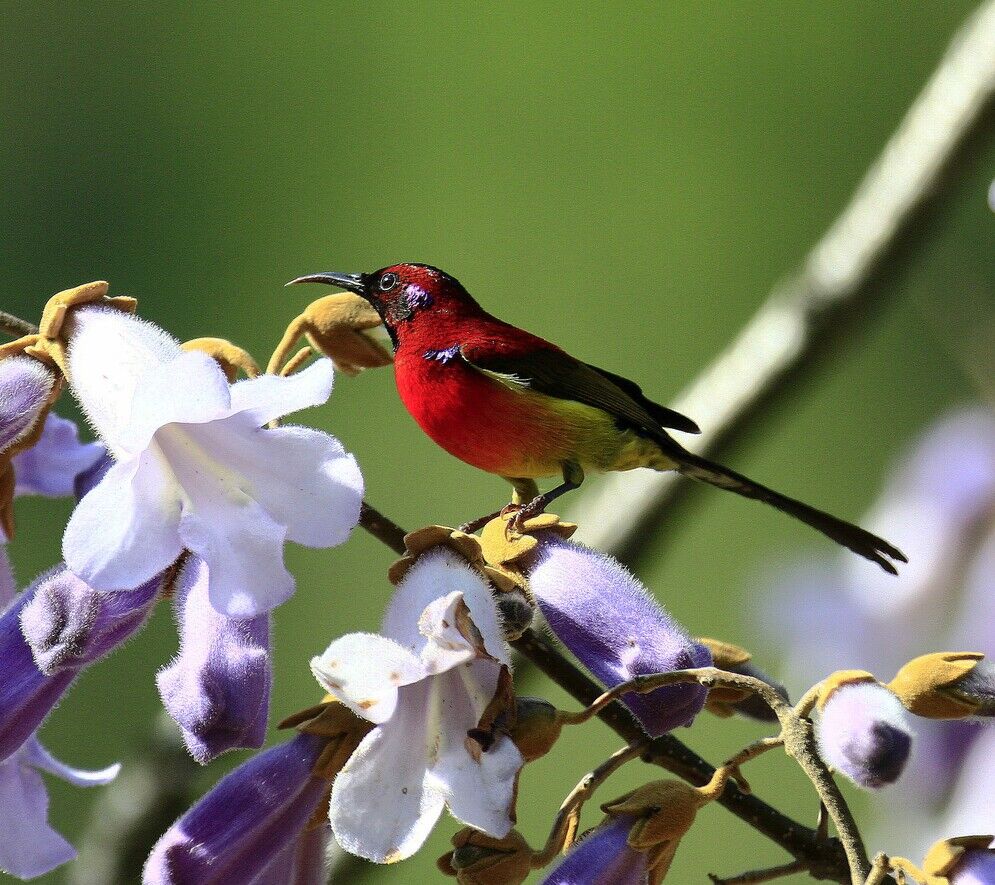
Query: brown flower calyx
{"type": "Point", "coordinates": [343, 327]}
{"type": "Point", "coordinates": [938, 686]}
{"type": "Point", "coordinates": [49, 345]}
{"type": "Point", "coordinates": [335, 722]}
{"type": "Point", "coordinates": [943, 857]}
{"type": "Point", "coordinates": [230, 357]}
{"type": "Point", "coordinates": [837, 680]}
{"type": "Point", "coordinates": [508, 550]}
{"type": "Point", "coordinates": [725, 656]}
{"type": "Point", "coordinates": [479, 859]}
{"type": "Point", "coordinates": [663, 811]}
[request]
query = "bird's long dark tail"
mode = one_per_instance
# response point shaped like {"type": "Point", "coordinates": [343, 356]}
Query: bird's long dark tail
{"type": "Point", "coordinates": [851, 536]}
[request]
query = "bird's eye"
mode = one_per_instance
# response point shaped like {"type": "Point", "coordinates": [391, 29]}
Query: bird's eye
{"type": "Point", "coordinates": [388, 281]}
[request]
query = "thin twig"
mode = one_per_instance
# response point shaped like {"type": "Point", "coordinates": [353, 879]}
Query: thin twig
{"type": "Point", "coordinates": [15, 326]}
{"type": "Point", "coordinates": [564, 829]}
{"type": "Point", "coordinates": [842, 269]}
{"type": "Point", "coordinates": [768, 875]}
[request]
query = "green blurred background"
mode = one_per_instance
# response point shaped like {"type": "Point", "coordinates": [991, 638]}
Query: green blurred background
{"type": "Point", "coordinates": [629, 179]}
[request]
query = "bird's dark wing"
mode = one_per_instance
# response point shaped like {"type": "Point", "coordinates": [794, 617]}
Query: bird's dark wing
{"type": "Point", "coordinates": [555, 373]}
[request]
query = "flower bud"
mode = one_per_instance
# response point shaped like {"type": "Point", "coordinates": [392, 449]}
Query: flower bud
{"type": "Point", "coordinates": [26, 388]}
{"type": "Point", "coordinates": [537, 727]}
{"type": "Point", "coordinates": [479, 859]}
{"type": "Point", "coordinates": [863, 730]}
{"type": "Point", "coordinates": [614, 627]}
{"type": "Point", "coordinates": [947, 685]}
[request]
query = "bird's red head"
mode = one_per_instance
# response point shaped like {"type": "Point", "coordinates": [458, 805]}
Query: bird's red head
{"type": "Point", "coordinates": [403, 293]}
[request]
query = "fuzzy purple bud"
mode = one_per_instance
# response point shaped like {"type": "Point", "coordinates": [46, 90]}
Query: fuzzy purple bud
{"type": "Point", "coordinates": [976, 867]}
{"type": "Point", "coordinates": [865, 734]}
{"type": "Point", "coordinates": [603, 855]}
{"type": "Point", "coordinates": [51, 465]}
{"type": "Point", "coordinates": [57, 627]}
{"type": "Point", "coordinates": [246, 823]}
{"type": "Point", "coordinates": [217, 688]}
{"type": "Point", "coordinates": [25, 387]}
{"type": "Point", "coordinates": [608, 620]}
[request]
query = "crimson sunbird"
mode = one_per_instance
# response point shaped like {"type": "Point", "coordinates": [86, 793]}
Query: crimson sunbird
{"type": "Point", "coordinates": [511, 403]}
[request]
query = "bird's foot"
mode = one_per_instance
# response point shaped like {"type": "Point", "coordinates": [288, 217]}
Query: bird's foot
{"type": "Point", "coordinates": [475, 525]}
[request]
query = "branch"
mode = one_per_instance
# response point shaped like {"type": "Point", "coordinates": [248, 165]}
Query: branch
{"type": "Point", "coordinates": [15, 326]}
{"type": "Point", "coordinates": [843, 269]}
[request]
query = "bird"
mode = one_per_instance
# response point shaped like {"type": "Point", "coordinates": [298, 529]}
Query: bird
{"type": "Point", "coordinates": [513, 404]}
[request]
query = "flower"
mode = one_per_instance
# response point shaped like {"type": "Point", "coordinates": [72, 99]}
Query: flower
{"type": "Point", "coordinates": [196, 467]}
{"type": "Point", "coordinates": [599, 611]}
{"type": "Point", "coordinates": [217, 689]}
{"type": "Point", "coordinates": [29, 847]}
{"type": "Point", "coordinates": [26, 387]}
{"type": "Point", "coordinates": [249, 826]}
{"type": "Point", "coordinates": [54, 629]}
{"type": "Point", "coordinates": [51, 465]}
{"type": "Point", "coordinates": [975, 867]}
{"type": "Point", "coordinates": [864, 732]}
{"type": "Point", "coordinates": [425, 683]}
{"type": "Point", "coordinates": [479, 859]}
{"type": "Point", "coordinates": [947, 685]}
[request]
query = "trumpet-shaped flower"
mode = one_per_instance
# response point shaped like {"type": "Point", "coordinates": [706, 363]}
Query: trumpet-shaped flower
{"type": "Point", "coordinates": [217, 688]}
{"type": "Point", "coordinates": [197, 468]}
{"type": "Point", "coordinates": [29, 847]}
{"type": "Point", "coordinates": [425, 683]}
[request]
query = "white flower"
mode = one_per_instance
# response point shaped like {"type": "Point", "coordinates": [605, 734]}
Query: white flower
{"type": "Point", "coordinates": [425, 683]}
{"type": "Point", "coordinates": [196, 469]}
{"type": "Point", "coordinates": [30, 847]}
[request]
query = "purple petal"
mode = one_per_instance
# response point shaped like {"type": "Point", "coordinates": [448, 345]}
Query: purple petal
{"type": "Point", "coordinates": [245, 823]}
{"type": "Point", "coordinates": [51, 465]}
{"type": "Point", "coordinates": [865, 733]}
{"type": "Point", "coordinates": [25, 386]}
{"type": "Point", "coordinates": [87, 479]}
{"type": "Point", "coordinates": [975, 868]}
{"type": "Point", "coordinates": [602, 856]}
{"type": "Point", "coordinates": [302, 862]}
{"type": "Point", "coordinates": [217, 688]}
{"type": "Point", "coordinates": [68, 624]}
{"type": "Point", "coordinates": [617, 630]}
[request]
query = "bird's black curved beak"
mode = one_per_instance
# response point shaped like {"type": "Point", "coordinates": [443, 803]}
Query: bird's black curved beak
{"type": "Point", "coordinates": [351, 282]}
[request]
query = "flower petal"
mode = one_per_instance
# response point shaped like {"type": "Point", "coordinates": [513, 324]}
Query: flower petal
{"type": "Point", "coordinates": [447, 647]}
{"type": "Point", "coordinates": [51, 465]}
{"type": "Point", "coordinates": [365, 671]}
{"type": "Point", "coordinates": [303, 478]}
{"type": "Point", "coordinates": [38, 757]}
{"type": "Point", "coordinates": [380, 807]}
{"type": "Point", "coordinates": [25, 386]}
{"type": "Point", "coordinates": [272, 396]}
{"type": "Point", "coordinates": [29, 847]}
{"type": "Point", "coordinates": [243, 549]}
{"type": "Point", "coordinates": [217, 688]}
{"type": "Point", "coordinates": [125, 530]}
{"type": "Point", "coordinates": [435, 575]}
{"type": "Point", "coordinates": [479, 792]}
{"type": "Point", "coordinates": [188, 389]}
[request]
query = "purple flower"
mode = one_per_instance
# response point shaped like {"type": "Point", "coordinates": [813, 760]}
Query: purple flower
{"type": "Point", "coordinates": [242, 831]}
{"type": "Point", "coordinates": [217, 689]}
{"type": "Point", "coordinates": [603, 855]}
{"type": "Point", "coordinates": [51, 465]}
{"type": "Point", "coordinates": [25, 388]}
{"type": "Point", "coordinates": [29, 847]}
{"type": "Point", "coordinates": [864, 733]}
{"type": "Point", "coordinates": [614, 627]}
{"type": "Point", "coordinates": [55, 628]}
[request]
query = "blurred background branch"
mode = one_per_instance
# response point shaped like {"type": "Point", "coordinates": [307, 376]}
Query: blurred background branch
{"type": "Point", "coordinates": [889, 210]}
